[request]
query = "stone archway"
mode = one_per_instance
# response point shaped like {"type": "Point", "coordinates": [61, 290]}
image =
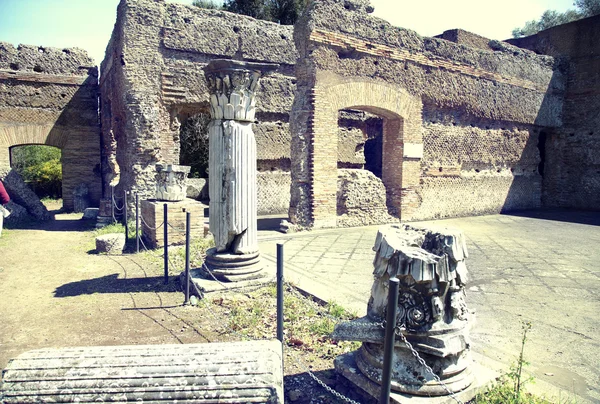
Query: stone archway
{"type": "Point", "coordinates": [80, 154]}
{"type": "Point", "coordinates": [402, 146]}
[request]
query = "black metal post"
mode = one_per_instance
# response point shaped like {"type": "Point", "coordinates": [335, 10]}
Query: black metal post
{"type": "Point", "coordinates": [388, 345]}
{"type": "Point", "coordinates": [112, 203]}
{"type": "Point", "coordinates": [137, 223]}
{"type": "Point", "coordinates": [187, 257]}
{"type": "Point", "coordinates": [125, 216]}
{"type": "Point", "coordinates": [280, 292]}
{"type": "Point", "coordinates": [166, 241]}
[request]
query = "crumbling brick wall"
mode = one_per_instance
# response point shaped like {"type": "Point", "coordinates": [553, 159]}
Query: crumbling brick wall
{"type": "Point", "coordinates": [48, 96]}
{"type": "Point", "coordinates": [572, 163]}
{"type": "Point", "coordinates": [461, 124]}
{"type": "Point", "coordinates": [152, 78]}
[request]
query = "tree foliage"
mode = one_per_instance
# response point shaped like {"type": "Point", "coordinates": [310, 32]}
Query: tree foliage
{"type": "Point", "coordinates": [551, 18]}
{"type": "Point", "coordinates": [210, 4]}
{"type": "Point", "coordinates": [285, 12]}
{"type": "Point", "coordinates": [40, 167]}
{"type": "Point", "coordinates": [194, 145]}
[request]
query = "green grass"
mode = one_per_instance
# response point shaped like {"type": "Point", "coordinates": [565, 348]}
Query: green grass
{"type": "Point", "coordinates": [503, 392]}
{"type": "Point", "coordinates": [111, 228]}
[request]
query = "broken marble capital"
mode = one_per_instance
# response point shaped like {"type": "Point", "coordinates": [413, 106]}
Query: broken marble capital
{"type": "Point", "coordinates": [432, 313]}
{"type": "Point", "coordinates": [171, 183]}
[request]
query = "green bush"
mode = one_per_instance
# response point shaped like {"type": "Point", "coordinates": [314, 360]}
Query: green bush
{"type": "Point", "coordinates": [41, 168]}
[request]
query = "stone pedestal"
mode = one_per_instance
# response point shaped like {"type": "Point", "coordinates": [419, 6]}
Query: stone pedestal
{"type": "Point", "coordinates": [232, 170]}
{"type": "Point", "coordinates": [432, 313]}
{"type": "Point", "coordinates": [153, 213]}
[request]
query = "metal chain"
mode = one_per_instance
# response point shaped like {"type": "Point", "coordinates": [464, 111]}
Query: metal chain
{"type": "Point", "coordinates": [301, 364]}
{"type": "Point", "coordinates": [175, 228]}
{"type": "Point", "coordinates": [398, 332]}
{"type": "Point", "coordinates": [150, 227]}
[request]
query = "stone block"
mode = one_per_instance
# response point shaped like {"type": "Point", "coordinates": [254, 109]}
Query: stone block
{"type": "Point", "coordinates": [111, 244]}
{"type": "Point", "coordinates": [90, 214]}
{"type": "Point", "coordinates": [152, 213]}
{"type": "Point", "coordinates": [231, 372]}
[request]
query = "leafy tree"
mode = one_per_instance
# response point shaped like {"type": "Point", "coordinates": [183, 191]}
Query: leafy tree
{"type": "Point", "coordinates": [588, 7]}
{"type": "Point", "coordinates": [40, 167]}
{"type": "Point", "coordinates": [210, 4]}
{"type": "Point", "coordinates": [551, 18]}
{"type": "Point", "coordinates": [194, 145]}
{"type": "Point", "coordinates": [285, 12]}
{"type": "Point", "coordinates": [254, 8]}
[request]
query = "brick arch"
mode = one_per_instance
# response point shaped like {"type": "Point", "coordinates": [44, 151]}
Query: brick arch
{"type": "Point", "coordinates": [401, 130]}
{"type": "Point", "coordinates": [17, 135]}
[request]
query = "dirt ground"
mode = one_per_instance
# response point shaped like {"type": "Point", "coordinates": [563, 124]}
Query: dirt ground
{"type": "Point", "coordinates": [57, 292]}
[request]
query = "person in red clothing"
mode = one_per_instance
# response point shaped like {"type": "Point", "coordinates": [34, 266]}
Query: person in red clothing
{"type": "Point", "coordinates": [4, 199]}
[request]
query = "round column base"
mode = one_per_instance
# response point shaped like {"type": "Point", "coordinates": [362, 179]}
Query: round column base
{"type": "Point", "coordinates": [228, 267]}
{"type": "Point", "coordinates": [410, 377]}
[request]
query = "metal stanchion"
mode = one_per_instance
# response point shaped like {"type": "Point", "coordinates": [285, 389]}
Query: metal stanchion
{"type": "Point", "coordinates": [137, 223]}
{"type": "Point", "coordinates": [280, 292]}
{"type": "Point", "coordinates": [187, 257]}
{"type": "Point", "coordinates": [166, 241]}
{"type": "Point", "coordinates": [125, 216]}
{"type": "Point", "coordinates": [112, 203]}
{"type": "Point", "coordinates": [388, 345]}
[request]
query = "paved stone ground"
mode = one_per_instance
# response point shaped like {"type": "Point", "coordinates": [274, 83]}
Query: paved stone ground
{"type": "Point", "coordinates": [538, 266]}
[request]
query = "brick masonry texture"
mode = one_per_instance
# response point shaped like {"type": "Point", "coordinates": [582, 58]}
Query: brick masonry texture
{"type": "Point", "coordinates": [572, 165]}
{"type": "Point", "coordinates": [466, 125]}
{"type": "Point", "coordinates": [48, 96]}
{"type": "Point", "coordinates": [475, 107]}
{"type": "Point", "coordinates": [153, 79]}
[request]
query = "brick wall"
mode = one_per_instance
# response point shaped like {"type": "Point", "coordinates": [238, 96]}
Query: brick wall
{"type": "Point", "coordinates": [48, 96]}
{"type": "Point", "coordinates": [572, 166]}
{"type": "Point", "coordinates": [432, 94]}
{"type": "Point", "coordinates": [152, 79]}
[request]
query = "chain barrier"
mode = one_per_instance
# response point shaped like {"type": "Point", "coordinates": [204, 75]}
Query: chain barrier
{"type": "Point", "coordinates": [175, 228]}
{"type": "Point", "coordinates": [413, 351]}
{"type": "Point", "coordinates": [148, 226]}
{"type": "Point", "coordinates": [301, 364]}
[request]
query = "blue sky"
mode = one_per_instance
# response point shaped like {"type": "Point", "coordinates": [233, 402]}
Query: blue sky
{"type": "Point", "coordinates": [88, 24]}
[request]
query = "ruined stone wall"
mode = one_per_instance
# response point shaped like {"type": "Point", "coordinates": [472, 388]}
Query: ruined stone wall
{"type": "Point", "coordinates": [472, 113]}
{"type": "Point", "coordinates": [48, 96]}
{"type": "Point", "coordinates": [152, 77]}
{"type": "Point", "coordinates": [572, 162]}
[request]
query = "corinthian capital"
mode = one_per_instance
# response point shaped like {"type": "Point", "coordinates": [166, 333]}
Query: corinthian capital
{"type": "Point", "coordinates": [232, 85]}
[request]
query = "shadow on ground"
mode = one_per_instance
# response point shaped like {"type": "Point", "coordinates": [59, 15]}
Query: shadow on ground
{"type": "Point", "coordinates": [113, 284]}
{"type": "Point", "coordinates": [591, 218]}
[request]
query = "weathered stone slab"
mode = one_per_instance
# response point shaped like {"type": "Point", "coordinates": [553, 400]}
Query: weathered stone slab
{"type": "Point", "coordinates": [22, 195]}
{"type": "Point", "coordinates": [90, 214]}
{"type": "Point", "coordinates": [237, 372]}
{"type": "Point", "coordinates": [112, 243]}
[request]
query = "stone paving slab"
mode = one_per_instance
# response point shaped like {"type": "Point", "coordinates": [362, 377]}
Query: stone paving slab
{"type": "Point", "coordinates": [538, 266]}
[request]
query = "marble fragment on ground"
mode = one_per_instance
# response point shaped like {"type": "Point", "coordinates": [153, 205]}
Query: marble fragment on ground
{"type": "Point", "coordinates": [432, 313]}
{"type": "Point", "coordinates": [241, 372]}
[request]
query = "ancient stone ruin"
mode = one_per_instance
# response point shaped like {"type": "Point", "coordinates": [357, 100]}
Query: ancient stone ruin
{"type": "Point", "coordinates": [492, 126]}
{"type": "Point", "coordinates": [432, 314]}
{"type": "Point", "coordinates": [49, 96]}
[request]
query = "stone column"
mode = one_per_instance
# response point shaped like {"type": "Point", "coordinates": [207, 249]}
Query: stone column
{"type": "Point", "coordinates": [232, 168]}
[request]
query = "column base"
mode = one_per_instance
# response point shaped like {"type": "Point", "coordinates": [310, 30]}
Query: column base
{"type": "Point", "coordinates": [346, 366]}
{"type": "Point", "coordinates": [229, 272]}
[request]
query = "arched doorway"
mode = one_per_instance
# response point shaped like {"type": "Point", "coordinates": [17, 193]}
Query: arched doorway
{"type": "Point", "coordinates": [402, 147]}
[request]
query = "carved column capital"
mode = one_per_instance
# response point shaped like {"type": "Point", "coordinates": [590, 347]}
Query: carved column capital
{"type": "Point", "coordinates": [232, 85]}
